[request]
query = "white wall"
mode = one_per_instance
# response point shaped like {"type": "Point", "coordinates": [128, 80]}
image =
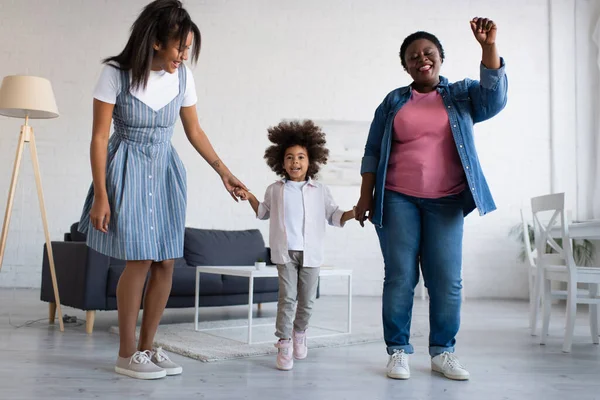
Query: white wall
{"type": "Point", "coordinates": [262, 61]}
{"type": "Point", "coordinates": [587, 105]}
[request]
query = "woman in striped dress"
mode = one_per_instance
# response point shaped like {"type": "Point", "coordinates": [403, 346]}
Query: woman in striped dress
{"type": "Point", "coordinates": [135, 209]}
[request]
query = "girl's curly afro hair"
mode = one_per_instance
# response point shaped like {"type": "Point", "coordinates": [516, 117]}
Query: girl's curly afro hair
{"type": "Point", "coordinates": [296, 133]}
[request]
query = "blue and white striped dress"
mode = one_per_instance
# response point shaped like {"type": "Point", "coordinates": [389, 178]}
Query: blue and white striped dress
{"type": "Point", "coordinates": [145, 182]}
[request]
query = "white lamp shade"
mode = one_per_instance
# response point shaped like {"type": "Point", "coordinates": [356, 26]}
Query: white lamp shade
{"type": "Point", "coordinates": [27, 96]}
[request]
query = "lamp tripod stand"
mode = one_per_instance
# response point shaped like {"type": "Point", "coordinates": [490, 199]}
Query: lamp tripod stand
{"type": "Point", "coordinates": [27, 136]}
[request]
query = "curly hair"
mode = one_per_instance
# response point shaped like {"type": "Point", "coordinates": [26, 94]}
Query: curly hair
{"type": "Point", "coordinates": [416, 36]}
{"type": "Point", "coordinates": [296, 133]}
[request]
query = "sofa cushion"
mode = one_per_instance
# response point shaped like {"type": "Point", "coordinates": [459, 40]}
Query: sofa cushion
{"type": "Point", "coordinates": [184, 283]}
{"type": "Point", "coordinates": [117, 266]}
{"type": "Point", "coordinates": [116, 262]}
{"type": "Point", "coordinates": [217, 247]}
{"type": "Point", "coordinates": [239, 285]}
{"type": "Point", "coordinates": [77, 236]}
{"type": "Point", "coordinates": [114, 273]}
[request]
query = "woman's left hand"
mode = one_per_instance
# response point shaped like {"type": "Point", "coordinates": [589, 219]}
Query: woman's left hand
{"type": "Point", "coordinates": [484, 30]}
{"type": "Point", "coordinates": [231, 184]}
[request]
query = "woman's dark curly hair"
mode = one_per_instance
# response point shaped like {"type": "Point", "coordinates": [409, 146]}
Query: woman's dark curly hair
{"type": "Point", "coordinates": [416, 36]}
{"type": "Point", "coordinates": [296, 133]}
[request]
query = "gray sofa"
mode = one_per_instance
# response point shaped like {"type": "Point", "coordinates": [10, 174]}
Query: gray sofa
{"type": "Point", "coordinates": [87, 280]}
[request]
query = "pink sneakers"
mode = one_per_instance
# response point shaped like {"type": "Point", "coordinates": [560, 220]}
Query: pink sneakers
{"type": "Point", "coordinates": [285, 359]}
{"type": "Point", "coordinates": [300, 348]}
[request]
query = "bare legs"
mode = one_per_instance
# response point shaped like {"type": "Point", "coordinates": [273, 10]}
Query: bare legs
{"type": "Point", "coordinates": [129, 299]}
{"type": "Point", "coordinates": [155, 301]}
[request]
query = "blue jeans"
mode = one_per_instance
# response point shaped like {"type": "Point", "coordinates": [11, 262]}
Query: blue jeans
{"type": "Point", "coordinates": [428, 232]}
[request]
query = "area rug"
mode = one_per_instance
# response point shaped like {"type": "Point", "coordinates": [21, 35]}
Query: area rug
{"type": "Point", "coordinates": [225, 339]}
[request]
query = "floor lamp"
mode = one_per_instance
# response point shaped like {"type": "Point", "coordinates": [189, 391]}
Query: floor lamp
{"type": "Point", "coordinates": [29, 97]}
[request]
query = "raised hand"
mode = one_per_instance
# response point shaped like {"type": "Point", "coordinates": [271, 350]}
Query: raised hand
{"type": "Point", "coordinates": [484, 30]}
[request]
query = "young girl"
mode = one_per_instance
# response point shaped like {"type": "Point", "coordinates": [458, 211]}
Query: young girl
{"type": "Point", "coordinates": [135, 209]}
{"type": "Point", "coordinates": [298, 207]}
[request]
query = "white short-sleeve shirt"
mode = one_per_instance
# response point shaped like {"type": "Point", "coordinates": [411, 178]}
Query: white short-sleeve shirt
{"type": "Point", "coordinates": [162, 88]}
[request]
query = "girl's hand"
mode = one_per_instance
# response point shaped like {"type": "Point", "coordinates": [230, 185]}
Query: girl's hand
{"type": "Point", "coordinates": [232, 184]}
{"type": "Point", "coordinates": [364, 209]}
{"type": "Point", "coordinates": [242, 194]}
{"type": "Point", "coordinates": [100, 214]}
{"type": "Point", "coordinates": [484, 30]}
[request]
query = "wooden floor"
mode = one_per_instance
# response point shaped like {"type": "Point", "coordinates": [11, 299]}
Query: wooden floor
{"type": "Point", "coordinates": [39, 362]}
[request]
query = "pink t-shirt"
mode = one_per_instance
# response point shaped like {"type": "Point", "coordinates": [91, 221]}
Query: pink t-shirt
{"type": "Point", "coordinates": [424, 161]}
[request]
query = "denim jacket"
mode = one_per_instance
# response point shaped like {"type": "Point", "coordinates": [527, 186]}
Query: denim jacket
{"type": "Point", "coordinates": [467, 102]}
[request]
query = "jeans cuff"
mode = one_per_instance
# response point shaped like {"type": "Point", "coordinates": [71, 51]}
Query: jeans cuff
{"type": "Point", "coordinates": [437, 350]}
{"type": "Point", "coordinates": [408, 349]}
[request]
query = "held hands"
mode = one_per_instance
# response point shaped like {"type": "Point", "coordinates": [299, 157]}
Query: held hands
{"type": "Point", "coordinates": [484, 30]}
{"type": "Point", "coordinates": [242, 194]}
{"type": "Point", "coordinates": [364, 209]}
{"type": "Point", "coordinates": [233, 185]}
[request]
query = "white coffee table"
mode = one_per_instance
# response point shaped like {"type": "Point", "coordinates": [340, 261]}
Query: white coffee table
{"type": "Point", "coordinates": [267, 272]}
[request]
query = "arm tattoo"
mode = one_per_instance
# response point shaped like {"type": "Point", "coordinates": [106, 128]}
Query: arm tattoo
{"type": "Point", "coordinates": [216, 164]}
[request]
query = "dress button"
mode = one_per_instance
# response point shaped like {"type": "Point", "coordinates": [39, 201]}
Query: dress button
{"type": "Point", "coordinates": [152, 227]}
{"type": "Point", "coordinates": [461, 146]}
{"type": "Point", "coordinates": [467, 167]}
{"type": "Point", "coordinates": [455, 126]}
{"type": "Point", "coordinates": [150, 194]}
{"type": "Point", "coordinates": [150, 176]}
{"type": "Point", "coordinates": [449, 107]}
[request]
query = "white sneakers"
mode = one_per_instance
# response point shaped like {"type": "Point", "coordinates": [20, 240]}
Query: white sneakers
{"type": "Point", "coordinates": [397, 366]}
{"type": "Point", "coordinates": [149, 364]}
{"type": "Point", "coordinates": [446, 364]}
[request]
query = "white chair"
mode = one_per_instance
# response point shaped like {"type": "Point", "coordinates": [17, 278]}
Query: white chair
{"type": "Point", "coordinates": [534, 297]}
{"type": "Point", "coordinates": [535, 279]}
{"type": "Point", "coordinates": [560, 266]}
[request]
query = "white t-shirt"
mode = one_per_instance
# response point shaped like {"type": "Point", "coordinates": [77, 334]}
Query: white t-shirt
{"type": "Point", "coordinates": [293, 204]}
{"type": "Point", "coordinates": [162, 88]}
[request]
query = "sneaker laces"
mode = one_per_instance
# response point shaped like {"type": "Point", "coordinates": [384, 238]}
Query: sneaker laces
{"type": "Point", "coordinates": [451, 360]}
{"type": "Point", "coordinates": [400, 358]}
{"type": "Point", "coordinates": [141, 357]}
{"type": "Point", "coordinates": [160, 355]}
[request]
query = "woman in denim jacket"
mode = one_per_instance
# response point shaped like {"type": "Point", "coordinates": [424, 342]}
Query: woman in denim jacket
{"type": "Point", "coordinates": [420, 178]}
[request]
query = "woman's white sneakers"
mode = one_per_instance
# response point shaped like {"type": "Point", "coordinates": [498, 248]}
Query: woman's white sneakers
{"type": "Point", "coordinates": [149, 364]}
{"type": "Point", "coordinates": [446, 364]}
{"type": "Point", "coordinates": [397, 366]}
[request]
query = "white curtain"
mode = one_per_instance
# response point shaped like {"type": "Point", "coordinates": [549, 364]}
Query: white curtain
{"type": "Point", "coordinates": [596, 198]}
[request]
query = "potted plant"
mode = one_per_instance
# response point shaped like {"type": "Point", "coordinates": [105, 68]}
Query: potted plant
{"type": "Point", "coordinates": [584, 251]}
{"type": "Point", "coordinates": [260, 264]}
